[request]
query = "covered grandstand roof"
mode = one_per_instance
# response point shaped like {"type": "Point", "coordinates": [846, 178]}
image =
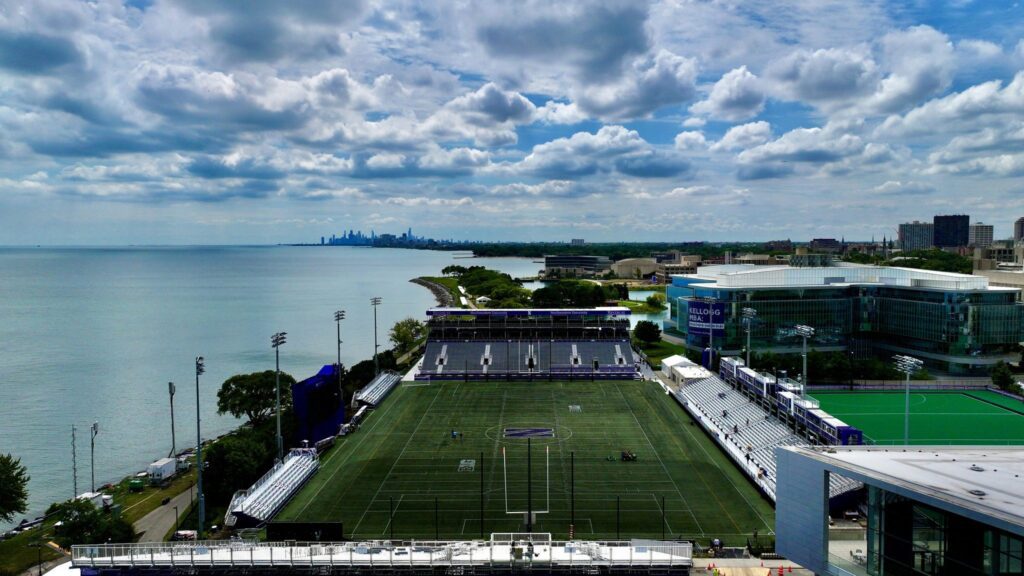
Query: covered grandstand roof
{"type": "Point", "coordinates": [985, 480]}
{"type": "Point", "coordinates": [745, 276]}
{"type": "Point", "coordinates": [536, 312]}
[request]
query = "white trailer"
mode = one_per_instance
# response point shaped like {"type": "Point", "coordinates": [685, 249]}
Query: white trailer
{"type": "Point", "coordinates": [162, 470]}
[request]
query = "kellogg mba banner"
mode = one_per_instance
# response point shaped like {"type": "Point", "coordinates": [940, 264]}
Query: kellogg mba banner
{"type": "Point", "coordinates": [706, 316]}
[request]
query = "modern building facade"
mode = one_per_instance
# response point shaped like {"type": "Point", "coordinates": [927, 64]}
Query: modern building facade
{"type": "Point", "coordinates": [916, 235]}
{"type": "Point", "coordinates": [956, 323]}
{"type": "Point", "coordinates": [980, 235]}
{"type": "Point", "coordinates": [952, 231]}
{"type": "Point", "coordinates": [1018, 230]}
{"type": "Point", "coordinates": [929, 510]}
{"type": "Point", "coordinates": [574, 265]}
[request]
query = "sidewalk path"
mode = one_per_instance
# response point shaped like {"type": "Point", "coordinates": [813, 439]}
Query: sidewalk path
{"type": "Point", "coordinates": [155, 525]}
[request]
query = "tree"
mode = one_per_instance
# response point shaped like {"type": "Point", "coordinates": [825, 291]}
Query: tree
{"type": "Point", "coordinates": [405, 333]}
{"type": "Point", "coordinates": [13, 487]}
{"type": "Point", "coordinates": [235, 462]}
{"type": "Point", "coordinates": [253, 395]}
{"type": "Point", "coordinates": [656, 300]}
{"type": "Point", "coordinates": [83, 523]}
{"type": "Point", "coordinates": [1002, 377]}
{"type": "Point", "coordinates": [647, 332]}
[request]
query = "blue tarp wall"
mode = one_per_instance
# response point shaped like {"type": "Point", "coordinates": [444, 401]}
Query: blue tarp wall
{"type": "Point", "coordinates": [319, 409]}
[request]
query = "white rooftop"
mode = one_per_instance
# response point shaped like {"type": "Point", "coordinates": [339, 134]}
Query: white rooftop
{"type": "Point", "coordinates": [751, 276]}
{"type": "Point", "coordinates": [988, 480]}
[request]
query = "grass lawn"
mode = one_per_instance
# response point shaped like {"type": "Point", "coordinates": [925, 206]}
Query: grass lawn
{"type": "Point", "coordinates": [640, 307]}
{"type": "Point", "coordinates": [935, 417]}
{"type": "Point", "coordinates": [658, 351]}
{"type": "Point", "coordinates": [404, 456]}
{"type": "Point", "coordinates": [20, 553]}
{"type": "Point", "coordinates": [135, 505]}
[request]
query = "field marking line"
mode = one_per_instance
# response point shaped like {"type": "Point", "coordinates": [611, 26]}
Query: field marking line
{"type": "Point", "coordinates": [348, 454]}
{"type": "Point", "coordinates": [660, 461]}
{"type": "Point", "coordinates": [399, 457]}
{"type": "Point", "coordinates": [704, 449]}
{"type": "Point", "coordinates": [388, 523]}
{"type": "Point", "coordinates": [657, 506]}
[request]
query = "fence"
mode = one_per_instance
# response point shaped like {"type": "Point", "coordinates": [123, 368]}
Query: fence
{"type": "Point", "coordinates": [241, 554]}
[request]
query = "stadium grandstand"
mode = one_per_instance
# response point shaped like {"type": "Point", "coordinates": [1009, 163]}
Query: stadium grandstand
{"type": "Point", "coordinates": [749, 426]}
{"type": "Point", "coordinates": [259, 503]}
{"type": "Point", "coordinates": [518, 344]}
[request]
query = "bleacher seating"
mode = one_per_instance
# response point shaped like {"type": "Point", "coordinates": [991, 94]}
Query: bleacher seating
{"type": "Point", "coordinates": [748, 433]}
{"type": "Point", "coordinates": [269, 494]}
{"type": "Point", "coordinates": [378, 389]}
{"type": "Point", "coordinates": [505, 359]}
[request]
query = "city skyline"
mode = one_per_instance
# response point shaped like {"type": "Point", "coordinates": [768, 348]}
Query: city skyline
{"type": "Point", "coordinates": [182, 122]}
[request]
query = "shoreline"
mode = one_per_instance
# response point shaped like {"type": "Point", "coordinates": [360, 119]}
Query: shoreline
{"type": "Point", "coordinates": [440, 293]}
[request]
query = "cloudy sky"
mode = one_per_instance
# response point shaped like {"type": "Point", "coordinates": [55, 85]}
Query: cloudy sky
{"type": "Point", "coordinates": [194, 121]}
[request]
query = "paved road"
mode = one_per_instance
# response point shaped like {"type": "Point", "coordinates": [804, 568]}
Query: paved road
{"type": "Point", "coordinates": [155, 525]}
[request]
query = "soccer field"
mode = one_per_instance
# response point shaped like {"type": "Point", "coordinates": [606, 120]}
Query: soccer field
{"type": "Point", "coordinates": [969, 417]}
{"type": "Point", "coordinates": [404, 456]}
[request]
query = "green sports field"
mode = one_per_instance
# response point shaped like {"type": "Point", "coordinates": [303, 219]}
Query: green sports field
{"type": "Point", "coordinates": [946, 417]}
{"type": "Point", "coordinates": [404, 456]}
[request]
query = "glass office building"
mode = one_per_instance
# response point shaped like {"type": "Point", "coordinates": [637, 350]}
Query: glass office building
{"type": "Point", "coordinates": [956, 323]}
{"type": "Point", "coordinates": [930, 511]}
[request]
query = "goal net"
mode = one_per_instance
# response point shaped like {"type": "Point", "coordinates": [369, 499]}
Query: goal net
{"type": "Point", "coordinates": [513, 537]}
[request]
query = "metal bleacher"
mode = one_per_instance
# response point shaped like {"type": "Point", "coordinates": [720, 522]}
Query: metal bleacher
{"type": "Point", "coordinates": [490, 358]}
{"type": "Point", "coordinates": [746, 431]}
{"type": "Point", "coordinates": [268, 495]}
{"type": "Point", "coordinates": [378, 389]}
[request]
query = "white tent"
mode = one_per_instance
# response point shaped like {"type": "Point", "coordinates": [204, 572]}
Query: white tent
{"type": "Point", "coordinates": [668, 363]}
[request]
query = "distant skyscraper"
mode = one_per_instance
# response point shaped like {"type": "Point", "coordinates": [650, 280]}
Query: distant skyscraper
{"type": "Point", "coordinates": [916, 235]}
{"type": "Point", "coordinates": [1018, 230]}
{"type": "Point", "coordinates": [980, 235]}
{"type": "Point", "coordinates": [952, 231]}
{"type": "Point", "coordinates": [577, 242]}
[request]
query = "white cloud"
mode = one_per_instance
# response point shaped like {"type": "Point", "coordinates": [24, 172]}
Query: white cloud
{"type": "Point", "coordinates": [652, 82]}
{"type": "Point", "coordinates": [738, 95]}
{"type": "Point", "coordinates": [690, 140]}
{"type": "Point", "coordinates": [744, 136]}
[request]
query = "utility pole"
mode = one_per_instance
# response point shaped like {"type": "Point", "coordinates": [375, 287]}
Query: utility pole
{"type": "Point", "coordinates": [74, 463]}
{"type": "Point", "coordinates": [276, 341]}
{"type": "Point", "coordinates": [95, 429]}
{"type": "Point", "coordinates": [200, 368]}
{"type": "Point", "coordinates": [170, 392]}
{"type": "Point", "coordinates": [749, 315]}
{"type": "Point", "coordinates": [375, 301]}
{"type": "Point", "coordinates": [338, 317]}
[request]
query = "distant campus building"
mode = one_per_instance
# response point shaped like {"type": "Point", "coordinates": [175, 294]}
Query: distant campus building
{"type": "Point", "coordinates": [955, 322]}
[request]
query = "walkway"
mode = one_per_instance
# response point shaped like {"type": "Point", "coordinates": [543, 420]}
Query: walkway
{"type": "Point", "coordinates": [154, 526]}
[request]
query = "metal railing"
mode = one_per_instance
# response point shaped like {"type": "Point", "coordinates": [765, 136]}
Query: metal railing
{"type": "Point", "coordinates": [382, 554]}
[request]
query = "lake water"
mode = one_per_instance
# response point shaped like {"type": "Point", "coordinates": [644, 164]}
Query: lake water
{"type": "Point", "coordinates": [96, 333]}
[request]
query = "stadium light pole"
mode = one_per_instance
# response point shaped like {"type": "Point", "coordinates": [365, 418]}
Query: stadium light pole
{"type": "Point", "coordinates": [275, 342]}
{"type": "Point", "coordinates": [375, 301]}
{"type": "Point", "coordinates": [200, 368]}
{"type": "Point", "coordinates": [94, 430]}
{"type": "Point", "coordinates": [338, 317]}
{"type": "Point", "coordinates": [749, 315]}
{"type": "Point", "coordinates": [170, 392]}
{"type": "Point", "coordinates": [806, 332]}
{"type": "Point", "coordinates": [74, 463]}
{"type": "Point", "coordinates": [908, 365]}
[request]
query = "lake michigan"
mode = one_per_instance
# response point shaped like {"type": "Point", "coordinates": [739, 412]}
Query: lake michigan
{"type": "Point", "coordinates": [95, 334]}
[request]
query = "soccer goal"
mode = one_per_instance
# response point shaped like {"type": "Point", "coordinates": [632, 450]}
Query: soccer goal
{"type": "Point", "coordinates": [513, 537]}
{"type": "Point", "coordinates": [527, 518]}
